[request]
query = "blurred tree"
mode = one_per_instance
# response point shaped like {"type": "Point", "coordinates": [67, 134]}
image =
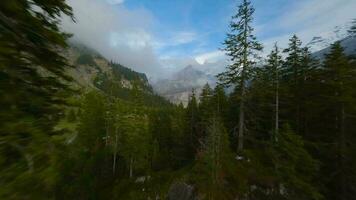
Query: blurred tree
{"type": "Point", "coordinates": [32, 94]}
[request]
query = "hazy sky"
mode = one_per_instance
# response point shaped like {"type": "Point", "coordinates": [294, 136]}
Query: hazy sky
{"type": "Point", "coordinates": [161, 36]}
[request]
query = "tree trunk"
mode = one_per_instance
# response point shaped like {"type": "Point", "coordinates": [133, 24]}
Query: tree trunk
{"type": "Point", "coordinates": [115, 155]}
{"type": "Point", "coordinates": [241, 123]}
{"type": "Point", "coordinates": [277, 107]}
{"type": "Point", "coordinates": [342, 154]}
{"type": "Point", "coordinates": [131, 167]}
{"type": "Point", "coordinates": [242, 103]}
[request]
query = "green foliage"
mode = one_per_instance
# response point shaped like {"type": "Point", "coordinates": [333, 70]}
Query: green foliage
{"type": "Point", "coordinates": [214, 170]}
{"type": "Point", "coordinates": [294, 166]}
{"type": "Point", "coordinates": [127, 73]}
{"type": "Point", "coordinates": [134, 88]}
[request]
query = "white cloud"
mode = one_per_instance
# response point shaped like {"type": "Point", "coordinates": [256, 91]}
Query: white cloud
{"type": "Point", "coordinates": [115, 32]}
{"type": "Point", "coordinates": [124, 35]}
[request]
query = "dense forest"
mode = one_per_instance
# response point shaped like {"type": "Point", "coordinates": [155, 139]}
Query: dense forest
{"type": "Point", "coordinates": [281, 127]}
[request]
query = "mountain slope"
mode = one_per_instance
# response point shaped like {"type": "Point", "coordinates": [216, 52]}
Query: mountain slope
{"type": "Point", "coordinates": [92, 71]}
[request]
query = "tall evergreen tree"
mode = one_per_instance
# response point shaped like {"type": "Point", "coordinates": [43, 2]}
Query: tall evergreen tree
{"type": "Point", "coordinates": [242, 47]}
{"type": "Point", "coordinates": [291, 78]}
{"type": "Point", "coordinates": [274, 66]}
{"type": "Point", "coordinates": [192, 125]}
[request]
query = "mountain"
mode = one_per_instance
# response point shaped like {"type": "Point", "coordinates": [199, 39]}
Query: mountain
{"type": "Point", "coordinates": [320, 45]}
{"type": "Point", "coordinates": [92, 71]}
{"type": "Point", "coordinates": [178, 88]}
{"type": "Point", "coordinates": [324, 40]}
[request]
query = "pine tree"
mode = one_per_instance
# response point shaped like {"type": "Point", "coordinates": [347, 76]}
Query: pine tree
{"type": "Point", "coordinates": [293, 60]}
{"type": "Point", "coordinates": [192, 126]}
{"type": "Point", "coordinates": [242, 47]}
{"type": "Point", "coordinates": [291, 74]}
{"type": "Point", "coordinates": [274, 66]}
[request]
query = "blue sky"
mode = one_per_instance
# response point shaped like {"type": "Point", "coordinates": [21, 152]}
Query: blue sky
{"type": "Point", "coordinates": [199, 25]}
{"type": "Point", "coordinates": [166, 35]}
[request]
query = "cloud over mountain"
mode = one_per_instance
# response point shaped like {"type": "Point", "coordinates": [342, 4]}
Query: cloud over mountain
{"type": "Point", "coordinates": [116, 32]}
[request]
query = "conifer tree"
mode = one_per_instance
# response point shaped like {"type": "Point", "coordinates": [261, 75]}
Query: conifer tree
{"type": "Point", "coordinates": [291, 78]}
{"type": "Point", "coordinates": [273, 68]}
{"type": "Point", "coordinates": [293, 59]}
{"type": "Point", "coordinates": [192, 125]}
{"type": "Point", "coordinates": [242, 47]}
